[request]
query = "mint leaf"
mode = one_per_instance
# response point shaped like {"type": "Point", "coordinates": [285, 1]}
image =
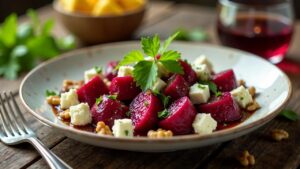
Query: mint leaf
{"type": "Point", "coordinates": [172, 66]}
{"type": "Point", "coordinates": [50, 93]}
{"type": "Point", "coordinates": [132, 57]}
{"type": "Point", "coordinates": [170, 55]}
{"type": "Point", "coordinates": [8, 32]}
{"type": "Point", "coordinates": [163, 114]}
{"type": "Point", "coordinates": [289, 114]}
{"type": "Point", "coordinates": [168, 42]}
{"type": "Point", "coordinates": [99, 100]}
{"type": "Point", "coordinates": [150, 45]}
{"type": "Point", "coordinates": [145, 73]}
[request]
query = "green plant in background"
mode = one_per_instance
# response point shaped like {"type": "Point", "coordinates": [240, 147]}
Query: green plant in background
{"type": "Point", "coordinates": [192, 35]}
{"type": "Point", "coordinates": [23, 46]}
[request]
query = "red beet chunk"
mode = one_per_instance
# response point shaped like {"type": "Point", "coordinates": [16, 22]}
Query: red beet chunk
{"type": "Point", "coordinates": [182, 114]}
{"type": "Point", "coordinates": [177, 87]}
{"type": "Point", "coordinates": [222, 109]}
{"type": "Point", "coordinates": [110, 71]}
{"type": "Point", "coordinates": [124, 87]}
{"type": "Point", "coordinates": [92, 90]}
{"type": "Point", "coordinates": [225, 80]}
{"type": "Point", "coordinates": [108, 111]}
{"type": "Point", "coordinates": [144, 109]}
{"type": "Point", "coordinates": [189, 74]}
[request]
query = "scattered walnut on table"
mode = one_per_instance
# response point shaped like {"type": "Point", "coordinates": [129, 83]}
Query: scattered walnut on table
{"type": "Point", "coordinates": [254, 106]}
{"type": "Point", "coordinates": [246, 159]}
{"type": "Point", "coordinates": [279, 134]}
{"type": "Point", "coordinates": [103, 129]}
{"type": "Point", "coordinates": [53, 100]}
{"type": "Point", "coordinates": [160, 133]}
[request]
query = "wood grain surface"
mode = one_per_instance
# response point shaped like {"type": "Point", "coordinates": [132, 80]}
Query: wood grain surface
{"type": "Point", "coordinates": [164, 18]}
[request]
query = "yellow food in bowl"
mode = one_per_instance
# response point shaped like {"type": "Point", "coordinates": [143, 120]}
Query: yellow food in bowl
{"type": "Point", "coordinates": [101, 7]}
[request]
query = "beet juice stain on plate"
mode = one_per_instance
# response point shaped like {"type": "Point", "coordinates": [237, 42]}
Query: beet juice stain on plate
{"type": "Point", "coordinates": [264, 27]}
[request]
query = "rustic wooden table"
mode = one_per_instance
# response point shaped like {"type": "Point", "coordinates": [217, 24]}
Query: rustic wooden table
{"type": "Point", "coordinates": [163, 18]}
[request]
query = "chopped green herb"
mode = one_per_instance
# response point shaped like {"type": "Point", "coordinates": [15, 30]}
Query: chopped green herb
{"type": "Point", "coordinates": [212, 87]}
{"type": "Point", "coordinates": [218, 94]}
{"type": "Point", "coordinates": [146, 103]}
{"type": "Point", "coordinates": [51, 93]}
{"type": "Point", "coordinates": [112, 97]}
{"type": "Point", "coordinates": [126, 132]}
{"type": "Point", "coordinates": [242, 98]}
{"type": "Point", "coordinates": [98, 69]}
{"type": "Point", "coordinates": [163, 114]}
{"type": "Point", "coordinates": [163, 98]}
{"type": "Point", "coordinates": [289, 114]}
{"type": "Point", "coordinates": [99, 100]}
{"type": "Point", "coordinates": [200, 86]}
{"type": "Point", "coordinates": [128, 113]}
{"type": "Point", "coordinates": [146, 71]}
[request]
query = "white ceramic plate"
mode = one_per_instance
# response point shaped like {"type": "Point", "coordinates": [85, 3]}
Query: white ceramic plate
{"type": "Point", "coordinates": [273, 86]}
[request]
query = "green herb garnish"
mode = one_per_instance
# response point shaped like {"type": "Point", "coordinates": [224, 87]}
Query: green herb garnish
{"type": "Point", "coordinates": [146, 103]}
{"type": "Point", "coordinates": [112, 97]}
{"type": "Point", "coordinates": [212, 87]}
{"type": "Point", "coordinates": [146, 70]}
{"type": "Point", "coordinates": [51, 93]}
{"type": "Point", "coordinates": [99, 100]}
{"type": "Point", "coordinates": [98, 69]}
{"type": "Point", "coordinates": [218, 94]}
{"type": "Point", "coordinates": [163, 114]}
{"type": "Point", "coordinates": [163, 98]}
{"type": "Point", "coordinates": [200, 86]}
{"type": "Point", "coordinates": [128, 113]}
{"type": "Point", "coordinates": [23, 46]}
{"type": "Point", "coordinates": [289, 114]}
{"type": "Point", "coordinates": [126, 132]}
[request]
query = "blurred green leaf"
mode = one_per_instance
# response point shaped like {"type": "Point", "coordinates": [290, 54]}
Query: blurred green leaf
{"type": "Point", "coordinates": [192, 35]}
{"type": "Point", "coordinates": [43, 46]}
{"type": "Point", "coordinates": [47, 27]}
{"type": "Point", "coordinates": [11, 70]}
{"type": "Point", "coordinates": [9, 30]}
{"type": "Point", "coordinates": [19, 51]}
{"type": "Point", "coordinates": [25, 31]}
{"type": "Point", "coordinates": [34, 19]}
{"type": "Point", "coordinates": [66, 43]}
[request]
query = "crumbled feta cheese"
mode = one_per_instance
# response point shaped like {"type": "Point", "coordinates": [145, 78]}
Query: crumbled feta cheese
{"type": "Point", "coordinates": [202, 72]}
{"type": "Point", "coordinates": [80, 114]}
{"type": "Point", "coordinates": [68, 99]}
{"type": "Point", "coordinates": [123, 128]}
{"type": "Point", "coordinates": [159, 85]}
{"type": "Point", "coordinates": [199, 93]}
{"type": "Point", "coordinates": [89, 74]}
{"type": "Point", "coordinates": [202, 60]}
{"type": "Point", "coordinates": [242, 96]}
{"type": "Point", "coordinates": [204, 124]}
{"type": "Point", "coordinates": [125, 71]}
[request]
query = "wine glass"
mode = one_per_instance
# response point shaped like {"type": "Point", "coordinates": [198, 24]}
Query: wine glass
{"type": "Point", "coordinates": [262, 27]}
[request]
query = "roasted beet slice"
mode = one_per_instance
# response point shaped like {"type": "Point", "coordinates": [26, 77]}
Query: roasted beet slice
{"type": "Point", "coordinates": [92, 90]}
{"type": "Point", "coordinates": [124, 87]}
{"type": "Point", "coordinates": [177, 87]}
{"type": "Point", "coordinates": [144, 109]}
{"type": "Point", "coordinates": [222, 109]}
{"type": "Point", "coordinates": [225, 80]}
{"type": "Point", "coordinates": [189, 74]}
{"type": "Point", "coordinates": [108, 110]}
{"type": "Point", "coordinates": [182, 114]}
{"type": "Point", "coordinates": [110, 71]}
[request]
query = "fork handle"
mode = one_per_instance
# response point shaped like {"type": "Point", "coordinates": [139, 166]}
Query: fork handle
{"type": "Point", "coordinates": [53, 161]}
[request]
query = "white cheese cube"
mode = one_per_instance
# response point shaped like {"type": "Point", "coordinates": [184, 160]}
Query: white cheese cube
{"type": "Point", "coordinates": [204, 124]}
{"type": "Point", "coordinates": [242, 96]}
{"type": "Point", "coordinates": [123, 128]}
{"type": "Point", "coordinates": [80, 114]}
{"type": "Point", "coordinates": [91, 73]}
{"type": "Point", "coordinates": [125, 71]}
{"type": "Point", "coordinates": [159, 85]}
{"type": "Point", "coordinates": [202, 60]}
{"type": "Point", "coordinates": [68, 99]}
{"type": "Point", "coordinates": [199, 93]}
{"type": "Point", "coordinates": [202, 71]}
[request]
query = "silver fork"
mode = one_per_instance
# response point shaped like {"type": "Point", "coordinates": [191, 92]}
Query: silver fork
{"type": "Point", "coordinates": [15, 130]}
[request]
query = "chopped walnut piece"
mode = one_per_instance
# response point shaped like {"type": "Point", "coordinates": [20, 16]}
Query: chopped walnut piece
{"type": "Point", "coordinates": [241, 82]}
{"type": "Point", "coordinates": [280, 134]}
{"type": "Point", "coordinates": [252, 91]}
{"type": "Point", "coordinates": [65, 115]}
{"type": "Point", "coordinates": [254, 106]}
{"type": "Point", "coordinates": [107, 82]}
{"type": "Point", "coordinates": [70, 84]}
{"type": "Point", "coordinates": [53, 100]}
{"type": "Point", "coordinates": [246, 159]}
{"type": "Point", "coordinates": [160, 133]}
{"type": "Point", "coordinates": [103, 129]}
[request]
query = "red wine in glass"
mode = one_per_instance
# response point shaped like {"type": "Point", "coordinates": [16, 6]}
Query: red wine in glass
{"type": "Point", "coordinates": [262, 35]}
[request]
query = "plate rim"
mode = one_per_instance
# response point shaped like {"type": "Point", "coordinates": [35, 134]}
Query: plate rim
{"type": "Point", "coordinates": [180, 138]}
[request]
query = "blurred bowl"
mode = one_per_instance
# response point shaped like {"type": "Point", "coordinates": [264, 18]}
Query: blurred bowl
{"type": "Point", "coordinates": [100, 29]}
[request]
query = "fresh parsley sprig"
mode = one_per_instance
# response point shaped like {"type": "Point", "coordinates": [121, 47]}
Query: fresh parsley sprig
{"type": "Point", "coordinates": [146, 70]}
